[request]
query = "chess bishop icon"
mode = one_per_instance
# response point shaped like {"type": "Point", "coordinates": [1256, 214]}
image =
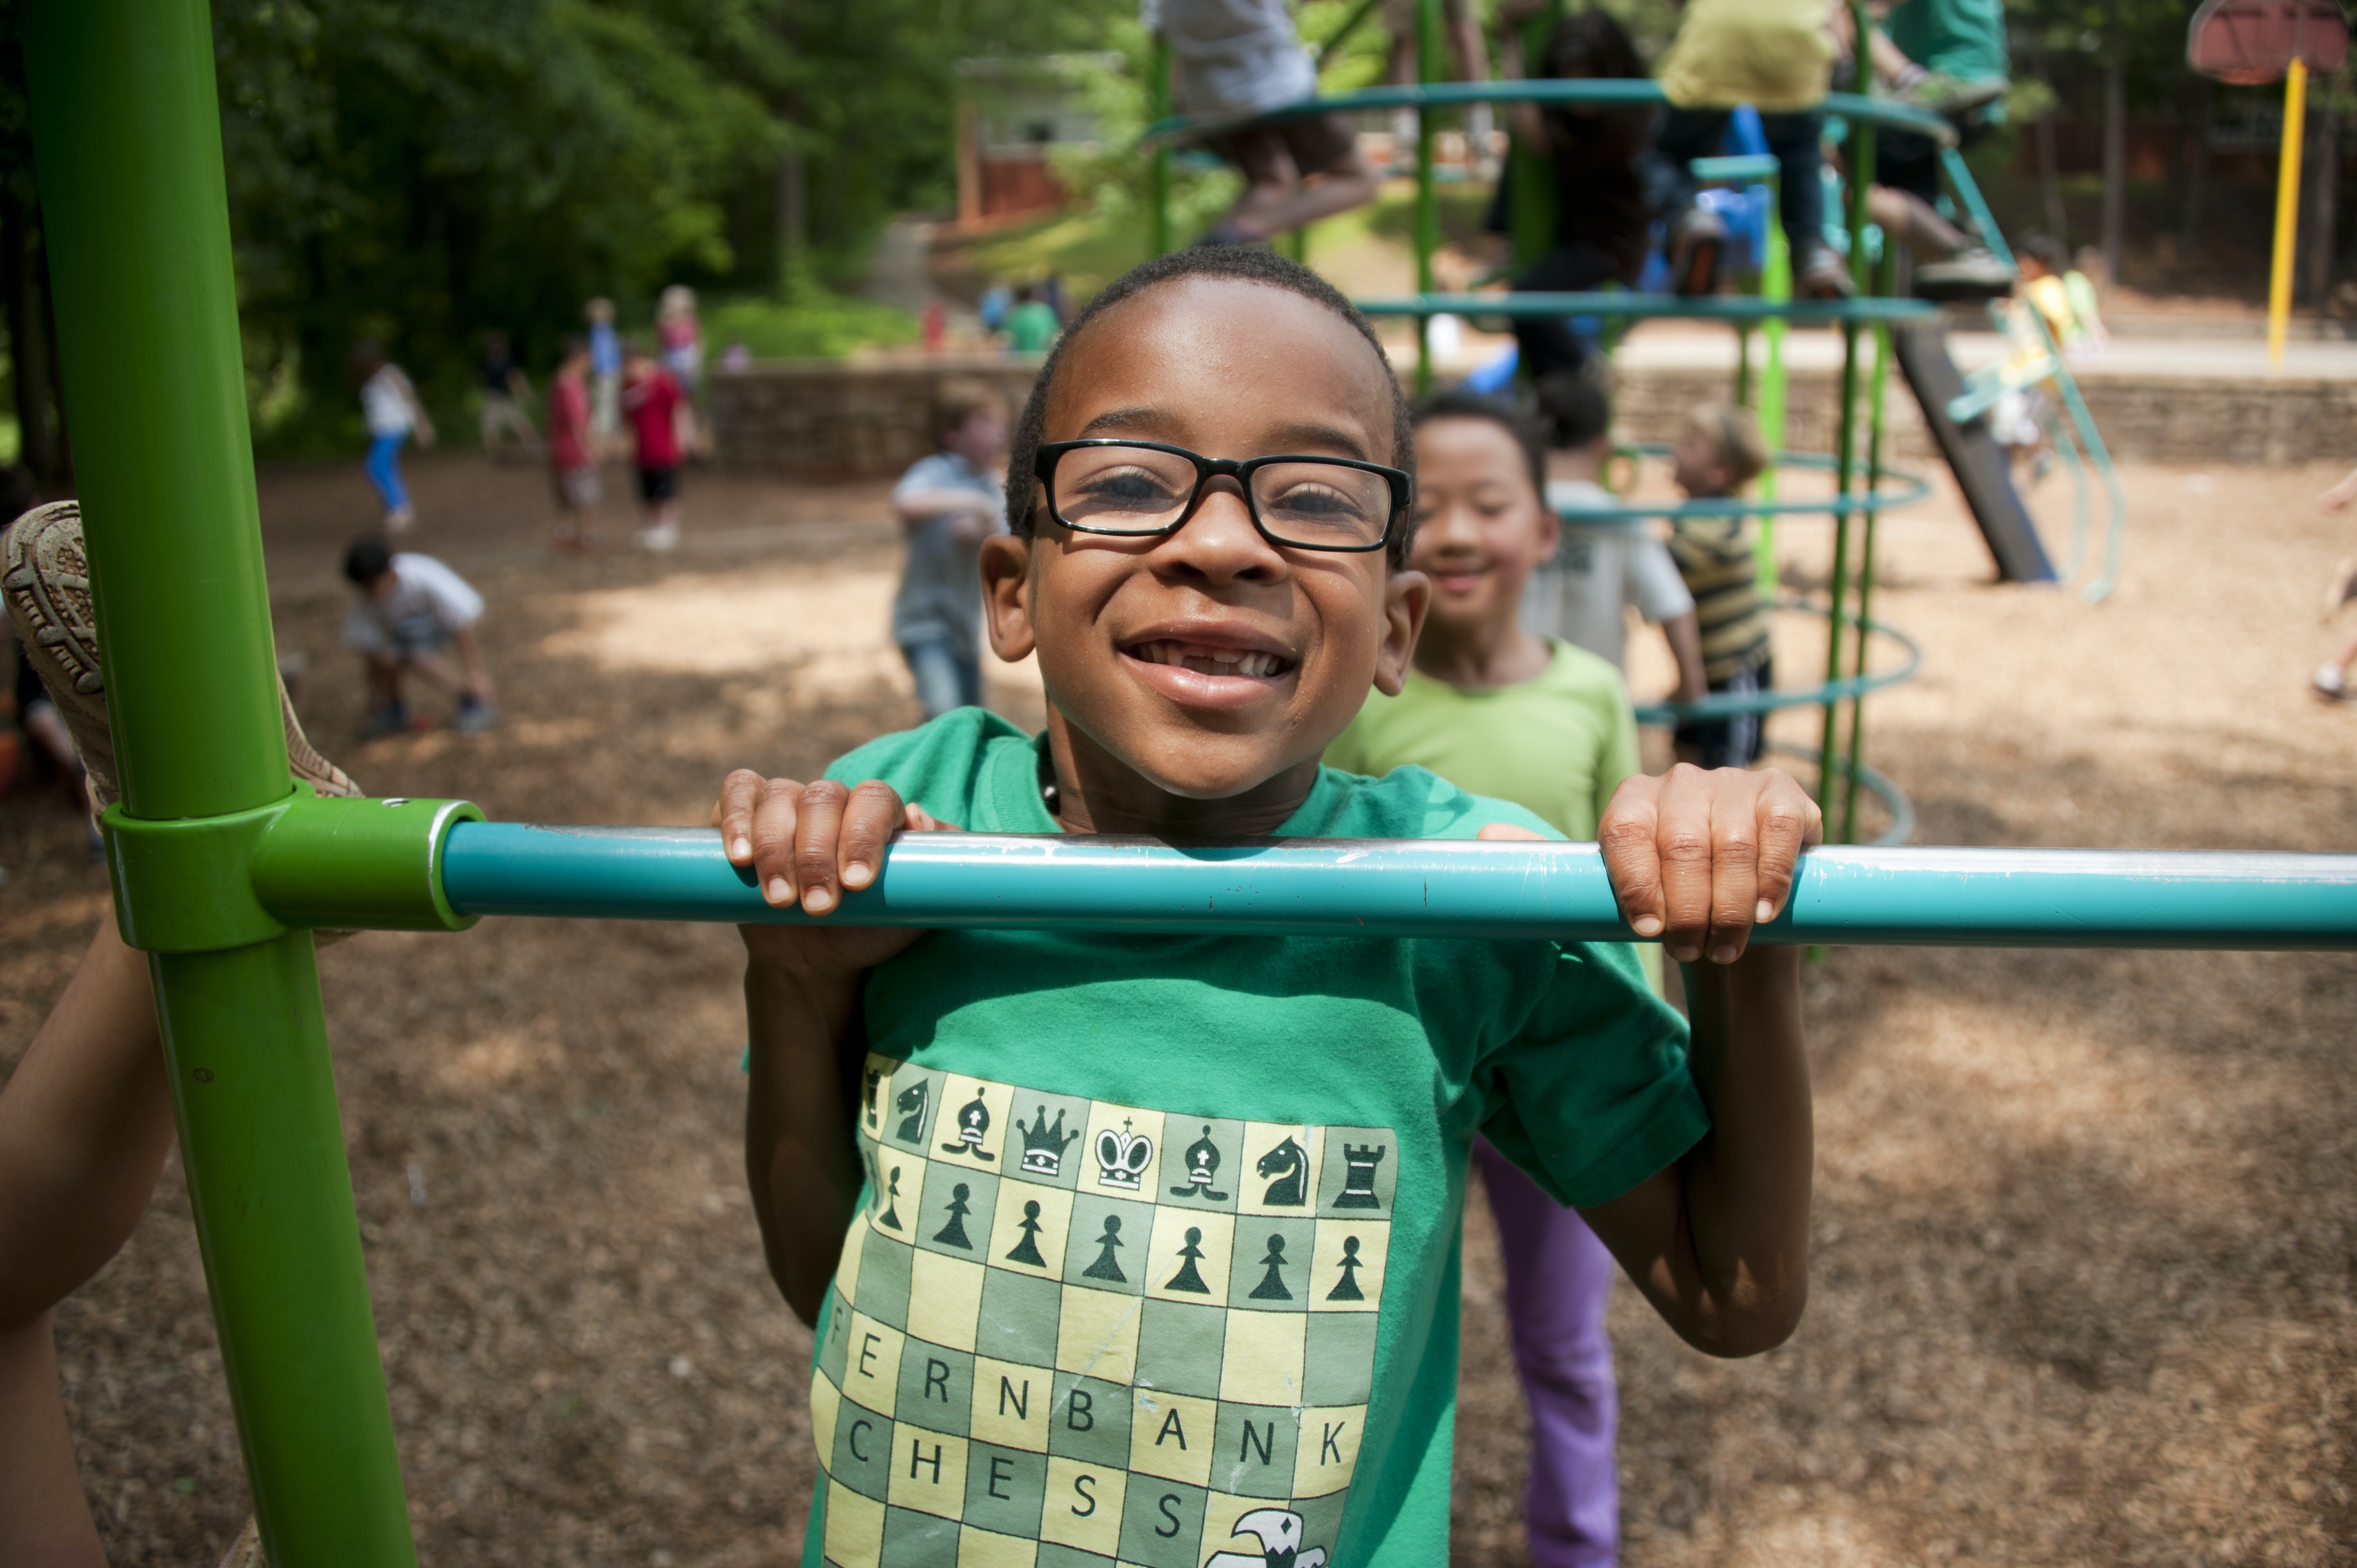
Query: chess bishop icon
{"type": "Point", "coordinates": [1044, 1146]}
{"type": "Point", "coordinates": [1279, 1532]}
{"type": "Point", "coordinates": [1202, 1169]}
{"type": "Point", "coordinates": [1121, 1159]}
{"type": "Point", "coordinates": [974, 1122]}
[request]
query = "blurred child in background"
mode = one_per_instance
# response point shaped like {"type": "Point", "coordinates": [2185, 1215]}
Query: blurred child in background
{"type": "Point", "coordinates": [1500, 709]}
{"type": "Point", "coordinates": [1716, 454]}
{"type": "Point", "coordinates": [657, 406]}
{"type": "Point", "coordinates": [948, 504]}
{"type": "Point", "coordinates": [605, 374]}
{"type": "Point", "coordinates": [572, 450]}
{"type": "Point", "coordinates": [1583, 593]}
{"type": "Point", "coordinates": [409, 613]}
{"type": "Point", "coordinates": [505, 392]}
{"type": "Point", "coordinates": [679, 347]}
{"type": "Point", "coordinates": [1032, 325]}
{"type": "Point", "coordinates": [389, 403]}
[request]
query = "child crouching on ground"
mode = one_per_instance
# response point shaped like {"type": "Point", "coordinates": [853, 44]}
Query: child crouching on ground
{"type": "Point", "coordinates": [1496, 709]}
{"type": "Point", "coordinates": [409, 613]}
{"type": "Point", "coordinates": [1145, 1245]}
{"type": "Point", "coordinates": [1716, 454]}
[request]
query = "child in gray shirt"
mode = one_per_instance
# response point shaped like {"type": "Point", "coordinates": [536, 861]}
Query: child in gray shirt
{"type": "Point", "coordinates": [948, 504]}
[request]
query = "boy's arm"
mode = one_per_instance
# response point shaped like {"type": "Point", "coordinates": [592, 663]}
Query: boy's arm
{"type": "Point", "coordinates": [917, 506]}
{"type": "Point", "coordinates": [1718, 1241]}
{"type": "Point", "coordinates": [1685, 634]}
{"type": "Point", "coordinates": [803, 987]}
{"type": "Point", "coordinates": [2339, 495]}
{"type": "Point", "coordinates": [470, 659]}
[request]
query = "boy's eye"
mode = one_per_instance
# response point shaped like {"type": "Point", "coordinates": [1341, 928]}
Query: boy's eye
{"type": "Point", "coordinates": [1322, 499]}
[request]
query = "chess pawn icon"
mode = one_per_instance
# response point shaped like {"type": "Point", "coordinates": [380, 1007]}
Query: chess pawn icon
{"type": "Point", "coordinates": [1271, 1284]}
{"type": "Point", "coordinates": [954, 1233]}
{"type": "Point", "coordinates": [892, 1201]}
{"type": "Point", "coordinates": [1188, 1278]}
{"type": "Point", "coordinates": [1107, 1267]}
{"type": "Point", "coordinates": [1027, 1250]}
{"type": "Point", "coordinates": [1349, 1289]}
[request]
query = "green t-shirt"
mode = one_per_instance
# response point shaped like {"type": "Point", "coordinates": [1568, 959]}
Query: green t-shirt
{"type": "Point", "coordinates": [1966, 38]}
{"type": "Point", "coordinates": [1032, 327]}
{"type": "Point", "coordinates": [1156, 1260]}
{"type": "Point", "coordinates": [1557, 746]}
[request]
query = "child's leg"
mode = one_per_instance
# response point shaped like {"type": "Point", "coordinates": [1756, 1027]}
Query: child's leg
{"type": "Point", "coordinates": [1559, 1279]}
{"type": "Point", "coordinates": [1797, 140]}
{"type": "Point", "coordinates": [969, 676]}
{"type": "Point", "coordinates": [383, 673]}
{"type": "Point", "coordinates": [48, 1519]}
{"type": "Point", "coordinates": [935, 670]}
{"type": "Point", "coordinates": [384, 473]}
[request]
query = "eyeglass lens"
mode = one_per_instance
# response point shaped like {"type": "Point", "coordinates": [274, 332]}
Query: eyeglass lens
{"type": "Point", "coordinates": [1134, 490]}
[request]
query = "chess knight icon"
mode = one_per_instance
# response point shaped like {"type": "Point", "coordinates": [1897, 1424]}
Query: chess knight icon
{"type": "Point", "coordinates": [1278, 1530]}
{"type": "Point", "coordinates": [911, 1104]}
{"type": "Point", "coordinates": [1121, 1159]}
{"type": "Point", "coordinates": [1289, 1164]}
{"type": "Point", "coordinates": [1044, 1146]}
{"type": "Point", "coordinates": [973, 1121]}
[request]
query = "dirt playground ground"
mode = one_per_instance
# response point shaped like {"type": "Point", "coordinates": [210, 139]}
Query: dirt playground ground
{"type": "Point", "coordinates": [2085, 1220]}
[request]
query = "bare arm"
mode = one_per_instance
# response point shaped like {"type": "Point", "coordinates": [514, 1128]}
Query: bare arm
{"type": "Point", "coordinates": [975, 512]}
{"type": "Point", "coordinates": [2339, 495]}
{"type": "Point", "coordinates": [1718, 1242]}
{"type": "Point", "coordinates": [1685, 634]}
{"type": "Point", "coordinates": [471, 656]}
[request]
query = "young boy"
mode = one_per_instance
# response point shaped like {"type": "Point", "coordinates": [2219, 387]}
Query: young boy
{"type": "Point", "coordinates": [1032, 325]}
{"type": "Point", "coordinates": [1493, 707]}
{"type": "Point", "coordinates": [657, 407]}
{"type": "Point", "coordinates": [408, 612]}
{"type": "Point", "coordinates": [948, 504]}
{"type": "Point", "coordinates": [1583, 592]}
{"type": "Point", "coordinates": [1716, 454]}
{"type": "Point", "coordinates": [1153, 1253]}
{"type": "Point", "coordinates": [605, 374]}
{"type": "Point", "coordinates": [572, 450]}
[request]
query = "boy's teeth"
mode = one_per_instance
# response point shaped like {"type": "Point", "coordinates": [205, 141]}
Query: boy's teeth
{"type": "Point", "coordinates": [1211, 662]}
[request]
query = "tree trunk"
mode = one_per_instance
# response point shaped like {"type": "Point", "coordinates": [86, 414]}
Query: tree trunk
{"type": "Point", "coordinates": [2196, 176]}
{"type": "Point", "coordinates": [28, 340]}
{"type": "Point", "coordinates": [2115, 146]}
{"type": "Point", "coordinates": [2050, 183]}
{"type": "Point", "coordinates": [793, 215]}
{"type": "Point", "coordinates": [2323, 184]}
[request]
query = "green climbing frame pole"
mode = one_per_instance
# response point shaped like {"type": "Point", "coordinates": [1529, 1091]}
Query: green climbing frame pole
{"type": "Point", "coordinates": [1158, 94]}
{"type": "Point", "coordinates": [127, 140]}
{"type": "Point", "coordinates": [1855, 769]}
{"type": "Point", "coordinates": [1428, 46]}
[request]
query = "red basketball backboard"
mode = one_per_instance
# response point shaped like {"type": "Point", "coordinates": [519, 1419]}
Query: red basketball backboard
{"type": "Point", "coordinates": [2246, 42]}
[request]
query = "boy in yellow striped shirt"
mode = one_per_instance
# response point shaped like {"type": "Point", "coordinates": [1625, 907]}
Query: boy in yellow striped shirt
{"type": "Point", "coordinates": [1718, 452]}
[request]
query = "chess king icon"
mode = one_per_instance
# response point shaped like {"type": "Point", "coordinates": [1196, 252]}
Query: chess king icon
{"type": "Point", "coordinates": [1278, 1530]}
{"type": "Point", "coordinates": [1121, 1159]}
{"type": "Point", "coordinates": [1044, 1146]}
{"type": "Point", "coordinates": [973, 1121]}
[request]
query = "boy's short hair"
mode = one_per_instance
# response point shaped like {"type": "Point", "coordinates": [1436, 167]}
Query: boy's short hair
{"type": "Point", "coordinates": [1574, 409]}
{"type": "Point", "coordinates": [573, 343]}
{"type": "Point", "coordinates": [1237, 262]}
{"type": "Point", "coordinates": [1734, 438]}
{"type": "Point", "coordinates": [2045, 250]}
{"type": "Point", "coordinates": [959, 398]}
{"type": "Point", "coordinates": [366, 560]}
{"type": "Point", "coordinates": [1457, 404]}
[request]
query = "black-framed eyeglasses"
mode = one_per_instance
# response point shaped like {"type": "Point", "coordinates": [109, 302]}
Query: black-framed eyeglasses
{"type": "Point", "coordinates": [1140, 489]}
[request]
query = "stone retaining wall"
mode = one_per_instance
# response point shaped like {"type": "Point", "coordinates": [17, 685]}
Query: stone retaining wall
{"type": "Point", "coordinates": [834, 421]}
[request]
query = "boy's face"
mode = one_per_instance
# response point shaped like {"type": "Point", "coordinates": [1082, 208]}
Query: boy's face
{"type": "Point", "coordinates": [381, 586]}
{"type": "Point", "coordinates": [1481, 528]}
{"type": "Point", "coordinates": [981, 437]}
{"type": "Point", "coordinates": [1144, 644]}
{"type": "Point", "coordinates": [1695, 465]}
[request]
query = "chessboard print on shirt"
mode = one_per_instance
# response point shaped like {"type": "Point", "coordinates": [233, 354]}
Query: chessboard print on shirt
{"type": "Point", "coordinates": [1069, 1334]}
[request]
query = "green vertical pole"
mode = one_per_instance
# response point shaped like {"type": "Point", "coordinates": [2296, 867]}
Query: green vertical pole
{"type": "Point", "coordinates": [1874, 414]}
{"type": "Point", "coordinates": [126, 131]}
{"type": "Point", "coordinates": [1775, 282]}
{"type": "Point", "coordinates": [1428, 47]}
{"type": "Point", "coordinates": [1158, 96]}
{"type": "Point", "coordinates": [1861, 177]}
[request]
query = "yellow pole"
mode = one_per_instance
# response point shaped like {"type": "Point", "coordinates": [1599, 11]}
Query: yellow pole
{"type": "Point", "coordinates": [2287, 210]}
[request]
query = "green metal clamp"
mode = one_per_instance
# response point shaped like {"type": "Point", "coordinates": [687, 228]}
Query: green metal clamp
{"type": "Point", "coordinates": [208, 884]}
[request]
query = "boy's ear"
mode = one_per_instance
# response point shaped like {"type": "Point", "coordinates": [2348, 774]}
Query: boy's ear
{"type": "Point", "coordinates": [1007, 595]}
{"type": "Point", "coordinates": [1406, 596]}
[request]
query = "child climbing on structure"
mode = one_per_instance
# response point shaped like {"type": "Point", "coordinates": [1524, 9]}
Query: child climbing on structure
{"type": "Point", "coordinates": [1210, 498]}
{"type": "Point", "coordinates": [1495, 708]}
{"type": "Point", "coordinates": [1717, 453]}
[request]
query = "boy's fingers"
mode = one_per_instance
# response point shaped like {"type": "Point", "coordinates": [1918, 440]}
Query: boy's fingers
{"type": "Point", "coordinates": [921, 821]}
{"type": "Point", "coordinates": [867, 825]}
{"type": "Point", "coordinates": [1513, 833]}
{"type": "Point", "coordinates": [1684, 838]}
{"type": "Point", "coordinates": [818, 829]}
{"type": "Point", "coordinates": [1789, 822]}
{"type": "Point", "coordinates": [776, 810]}
{"type": "Point", "coordinates": [1735, 868]}
{"type": "Point", "coordinates": [732, 813]}
{"type": "Point", "coordinates": [1631, 857]}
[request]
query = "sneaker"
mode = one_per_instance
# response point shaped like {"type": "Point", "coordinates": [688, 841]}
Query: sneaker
{"type": "Point", "coordinates": [401, 519]}
{"type": "Point", "coordinates": [474, 716]}
{"type": "Point", "coordinates": [2330, 682]}
{"type": "Point", "coordinates": [660, 538]}
{"type": "Point", "coordinates": [384, 719]}
{"type": "Point", "coordinates": [245, 1552]}
{"type": "Point", "coordinates": [1825, 275]}
{"type": "Point", "coordinates": [1695, 241]}
{"type": "Point", "coordinates": [1974, 273]}
{"type": "Point", "coordinates": [45, 575]}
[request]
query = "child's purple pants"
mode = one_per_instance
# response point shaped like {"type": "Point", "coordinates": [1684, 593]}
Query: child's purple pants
{"type": "Point", "coordinates": [1558, 1277]}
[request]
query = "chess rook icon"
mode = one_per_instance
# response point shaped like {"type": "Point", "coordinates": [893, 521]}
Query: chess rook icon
{"type": "Point", "coordinates": [1359, 1176]}
{"type": "Point", "coordinates": [1044, 1146]}
{"type": "Point", "coordinates": [1279, 1532]}
{"type": "Point", "coordinates": [911, 1102]}
{"type": "Point", "coordinates": [973, 1121]}
{"type": "Point", "coordinates": [1202, 1169]}
{"type": "Point", "coordinates": [1121, 1159]}
{"type": "Point", "coordinates": [1289, 1163]}
{"type": "Point", "coordinates": [875, 1080]}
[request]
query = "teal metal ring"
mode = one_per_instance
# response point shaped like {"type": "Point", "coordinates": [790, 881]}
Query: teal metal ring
{"type": "Point", "coordinates": [1730, 706]}
{"type": "Point", "coordinates": [1607, 304]}
{"type": "Point", "coordinates": [1917, 488]}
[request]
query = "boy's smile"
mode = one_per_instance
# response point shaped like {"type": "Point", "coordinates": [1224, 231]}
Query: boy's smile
{"type": "Point", "coordinates": [1482, 528]}
{"type": "Point", "coordinates": [1207, 664]}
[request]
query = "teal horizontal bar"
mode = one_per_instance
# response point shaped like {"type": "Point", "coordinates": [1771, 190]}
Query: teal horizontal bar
{"type": "Point", "coordinates": [1701, 306]}
{"type": "Point", "coordinates": [1927, 897]}
{"type": "Point", "coordinates": [1585, 90]}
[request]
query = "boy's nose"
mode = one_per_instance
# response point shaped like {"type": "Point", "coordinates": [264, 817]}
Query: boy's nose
{"type": "Point", "coordinates": [1219, 538]}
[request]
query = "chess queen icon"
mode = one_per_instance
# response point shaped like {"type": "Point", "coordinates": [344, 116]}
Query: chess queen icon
{"type": "Point", "coordinates": [1121, 1159]}
{"type": "Point", "coordinates": [1279, 1532]}
{"type": "Point", "coordinates": [1044, 1146]}
{"type": "Point", "coordinates": [974, 1122]}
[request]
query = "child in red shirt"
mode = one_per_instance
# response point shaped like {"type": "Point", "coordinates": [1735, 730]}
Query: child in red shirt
{"type": "Point", "coordinates": [652, 399]}
{"type": "Point", "coordinates": [573, 467]}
